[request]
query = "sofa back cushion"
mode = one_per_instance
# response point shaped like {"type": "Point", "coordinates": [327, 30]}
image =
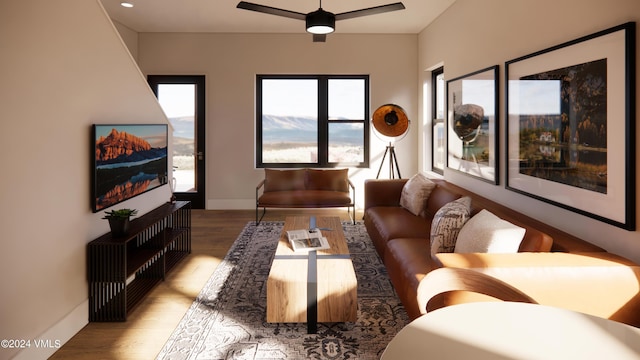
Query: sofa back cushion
{"type": "Point", "coordinates": [284, 180]}
{"type": "Point", "coordinates": [438, 198]}
{"type": "Point", "coordinates": [330, 180]}
{"type": "Point", "coordinates": [535, 241]}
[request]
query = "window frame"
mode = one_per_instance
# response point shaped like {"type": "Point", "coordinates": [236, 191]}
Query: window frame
{"type": "Point", "coordinates": [435, 121]}
{"type": "Point", "coordinates": [323, 121]}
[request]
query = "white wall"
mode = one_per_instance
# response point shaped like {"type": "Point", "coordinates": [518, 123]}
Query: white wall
{"type": "Point", "coordinates": [129, 36]}
{"type": "Point", "coordinates": [230, 63]}
{"type": "Point", "coordinates": [472, 35]}
{"type": "Point", "coordinates": [63, 67]}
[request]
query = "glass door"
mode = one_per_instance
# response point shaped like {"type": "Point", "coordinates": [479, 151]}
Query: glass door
{"type": "Point", "coordinates": [182, 99]}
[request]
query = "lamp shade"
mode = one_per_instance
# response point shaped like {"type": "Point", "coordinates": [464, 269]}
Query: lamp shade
{"type": "Point", "coordinates": [320, 22]}
{"type": "Point", "coordinates": [390, 120]}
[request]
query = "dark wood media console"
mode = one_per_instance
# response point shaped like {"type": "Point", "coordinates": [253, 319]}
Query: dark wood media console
{"type": "Point", "coordinates": [122, 270]}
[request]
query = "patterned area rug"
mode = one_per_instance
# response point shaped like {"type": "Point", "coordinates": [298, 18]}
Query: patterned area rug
{"type": "Point", "coordinates": [227, 320]}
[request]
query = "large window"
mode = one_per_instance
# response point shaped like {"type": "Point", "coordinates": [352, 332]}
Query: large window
{"type": "Point", "coordinates": [314, 121]}
{"type": "Point", "coordinates": [438, 150]}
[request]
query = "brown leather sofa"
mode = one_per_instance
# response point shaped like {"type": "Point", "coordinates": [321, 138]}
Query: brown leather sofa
{"type": "Point", "coordinates": [402, 239]}
{"type": "Point", "coordinates": [305, 188]}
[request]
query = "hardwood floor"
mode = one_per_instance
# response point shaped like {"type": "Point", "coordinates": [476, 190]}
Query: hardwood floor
{"type": "Point", "coordinates": [151, 323]}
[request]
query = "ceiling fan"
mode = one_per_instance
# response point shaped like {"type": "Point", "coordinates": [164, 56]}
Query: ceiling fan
{"type": "Point", "coordinates": [320, 22]}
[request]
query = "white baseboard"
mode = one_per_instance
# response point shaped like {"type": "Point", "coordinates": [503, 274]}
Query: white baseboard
{"type": "Point", "coordinates": [51, 340]}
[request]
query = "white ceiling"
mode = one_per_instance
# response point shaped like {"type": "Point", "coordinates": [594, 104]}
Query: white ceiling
{"type": "Point", "coordinates": [222, 16]}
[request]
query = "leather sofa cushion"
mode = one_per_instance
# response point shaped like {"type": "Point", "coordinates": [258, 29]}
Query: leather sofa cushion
{"type": "Point", "coordinates": [302, 198]}
{"type": "Point", "coordinates": [408, 260]}
{"type": "Point", "coordinates": [383, 192]}
{"type": "Point", "coordinates": [397, 222]}
{"type": "Point", "coordinates": [284, 180]}
{"type": "Point", "coordinates": [329, 180]}
{"type": "Point", "coordinates": [438, 198]}
{"type": "Point", "coordinates": [306, 179]}
{"type": "Point", "coordinates": [391, 222]}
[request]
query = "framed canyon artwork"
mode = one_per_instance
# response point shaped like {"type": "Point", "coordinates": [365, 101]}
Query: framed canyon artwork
{"type": "Point", "coordinates": [128, 160]}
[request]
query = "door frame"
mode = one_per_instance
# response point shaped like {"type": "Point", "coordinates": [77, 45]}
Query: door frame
{"type": "Point", "coordinates": [197, 197]}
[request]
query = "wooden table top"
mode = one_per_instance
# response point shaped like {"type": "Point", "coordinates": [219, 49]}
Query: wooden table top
{"type": "Point", "coordinates": [333, 296]}
{"type": "Point", "coordinates": [335, 236]}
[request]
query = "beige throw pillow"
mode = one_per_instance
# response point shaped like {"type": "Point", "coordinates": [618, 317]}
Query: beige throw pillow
{"type": "Point", "coordinates": [487, 233]}
{"type": "Point", "coordinates": [415, 193]}
{"type": "Point", "coordinates": [446, 224]}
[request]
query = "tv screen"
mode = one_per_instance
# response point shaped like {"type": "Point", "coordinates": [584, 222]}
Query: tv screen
{"type": "Point", "coordinates": [128, 160]}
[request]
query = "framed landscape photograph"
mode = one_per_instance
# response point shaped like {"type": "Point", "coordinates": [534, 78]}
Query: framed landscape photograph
{"type": "Point", "coordinates": [472, 124]}
{"type": "Point", "coordinates": [570, 125]}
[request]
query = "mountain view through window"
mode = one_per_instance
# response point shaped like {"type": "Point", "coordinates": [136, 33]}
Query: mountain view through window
{"type": "Point", "coordinates": [312, 120]}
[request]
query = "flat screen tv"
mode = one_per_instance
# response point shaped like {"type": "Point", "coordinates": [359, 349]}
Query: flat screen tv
{"type": "Point", "coordinates": [128, 160]}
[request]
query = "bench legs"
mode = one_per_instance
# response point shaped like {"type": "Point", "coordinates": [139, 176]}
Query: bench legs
{"type": "Point", "coordinates": [264, 211]}
{"type": "Point", "coordinates": [351, 210]}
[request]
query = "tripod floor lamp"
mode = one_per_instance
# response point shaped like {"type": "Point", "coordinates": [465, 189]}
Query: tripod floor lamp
{"type": "Point", "coordinates": [391, 124]}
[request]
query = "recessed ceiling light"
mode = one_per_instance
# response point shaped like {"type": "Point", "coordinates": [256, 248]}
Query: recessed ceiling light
{"type": "Point", "coordinates": [126, 4]}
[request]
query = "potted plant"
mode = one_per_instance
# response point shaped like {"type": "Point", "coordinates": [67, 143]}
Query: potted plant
{"type": "Point", "coordinates": [119, 220]}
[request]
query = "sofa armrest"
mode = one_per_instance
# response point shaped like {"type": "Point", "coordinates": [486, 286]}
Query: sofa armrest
{"type": "Point", "coordinates": [384, 192]}
{"type": "Point", "coordinates": [258, 187]}
{"type": "Point", "coordinates": [444, 280]}
{"type": "Point", "coordinates": [597, 283]}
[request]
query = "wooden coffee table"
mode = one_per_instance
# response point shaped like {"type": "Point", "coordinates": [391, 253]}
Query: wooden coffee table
{"type": "Point", "coordinates": [319, 286]}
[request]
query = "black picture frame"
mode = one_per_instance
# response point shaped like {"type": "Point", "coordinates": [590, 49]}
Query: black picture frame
{"type": "Point", "coordinates": [570, 127]}
{"type": "Point", "coordinates": [472, 124]}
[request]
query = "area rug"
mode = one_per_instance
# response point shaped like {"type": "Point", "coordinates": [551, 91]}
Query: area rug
{"type": "Point", "coordinates": [227, 319]}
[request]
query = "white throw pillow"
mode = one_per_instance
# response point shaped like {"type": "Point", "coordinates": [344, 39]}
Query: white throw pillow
{"type": "Point", "coordinates": [487, 233]}
{"type": "Point", "coordinates": [415, 193]}
{"type": "Point", "coordinates": [447, 223]}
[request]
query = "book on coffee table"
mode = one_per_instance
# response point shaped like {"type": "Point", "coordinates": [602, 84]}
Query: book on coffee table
{"type": "Point", "coordinates": [307, 240]}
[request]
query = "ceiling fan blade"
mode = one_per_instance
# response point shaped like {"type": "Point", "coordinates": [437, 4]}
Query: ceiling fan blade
{"type": "Point", "coordinates": [319, 37]}
{"type": "Point", "coordinates": [370, 11]}
{"type": "Point", "coordinates": [271, 10]}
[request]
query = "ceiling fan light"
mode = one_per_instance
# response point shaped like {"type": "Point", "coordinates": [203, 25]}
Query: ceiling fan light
{"type": "Point", "coordinates": [321, 22]}
{"type": "Point", "coordinates": [320, 29]}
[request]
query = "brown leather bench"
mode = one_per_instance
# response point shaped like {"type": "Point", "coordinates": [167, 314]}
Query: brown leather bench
{"type": "Point", "coordinates": [305, 188]}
